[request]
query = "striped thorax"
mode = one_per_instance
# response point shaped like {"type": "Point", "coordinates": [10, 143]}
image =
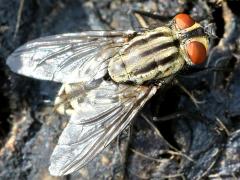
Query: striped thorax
{"type": "Point", "coordinates": [161, 52]}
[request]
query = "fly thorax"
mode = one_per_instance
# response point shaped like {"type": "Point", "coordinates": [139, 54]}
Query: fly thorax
{"type": "Point", "coordinates": [145, 57]}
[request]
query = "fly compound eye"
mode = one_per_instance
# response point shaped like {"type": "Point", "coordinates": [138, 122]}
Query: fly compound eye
{"type": "Point", "coordinates": [197, 52]}
{"type": "Point", "coordinates": [183, 21]}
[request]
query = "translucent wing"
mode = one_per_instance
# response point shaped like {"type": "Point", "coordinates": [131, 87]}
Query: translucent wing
{"type": "Point", "coordinates": [68, 58]}
{"type": "Point", "coordinates": [101, 114]}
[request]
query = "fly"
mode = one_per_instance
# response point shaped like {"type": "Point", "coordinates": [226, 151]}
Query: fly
{"type": "Point", "coordinates": [136, 63]}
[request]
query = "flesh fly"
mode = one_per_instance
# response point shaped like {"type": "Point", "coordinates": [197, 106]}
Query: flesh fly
{"type": "Point", "coordinates": [107, 77]}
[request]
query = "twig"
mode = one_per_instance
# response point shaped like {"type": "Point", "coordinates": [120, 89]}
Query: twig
{"type": "Point", "coordinates": [208, 169]}
{"type": "Point", "coordinates": [157, 131]}
{"type": "Point", "coordinates": [177, 152]}
{"type": "Point", "coordinates": [174, 176]}
{"type": "Point", "coordinates": [223, 126]}
{"type": "Point", "coordinates": [19, 15]}
{"type": "Point", "coordinates": [125, 156]}
{"type": "Point", "coordinates": [145, 156]}
{"type": "Point", "coordinates": [194, 100]}
{"type": "Point", "coordinates": [170, 116]}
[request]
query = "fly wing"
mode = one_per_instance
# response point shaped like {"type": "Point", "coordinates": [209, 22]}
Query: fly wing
{"type": "Point", "coordinates": [68, 58]}
{"type": "Point", "coordinates": [100, 116]}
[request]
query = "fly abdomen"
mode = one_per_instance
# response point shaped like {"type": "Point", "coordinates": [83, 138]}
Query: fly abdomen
{"type": "Point", "coordinates": [145, 57]}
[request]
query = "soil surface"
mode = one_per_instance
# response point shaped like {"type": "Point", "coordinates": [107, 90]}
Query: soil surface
{"type": "Point", "coordinates": [188, 130]}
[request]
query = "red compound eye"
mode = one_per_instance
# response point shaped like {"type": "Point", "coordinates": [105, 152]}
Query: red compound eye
{"type": "Point", "coordinates": [184, 21]}
{"type": "Point", "coordinates": [196, 52]}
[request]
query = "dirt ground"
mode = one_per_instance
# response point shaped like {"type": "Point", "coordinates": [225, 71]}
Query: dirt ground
{"type": "Point", "coordinates": [189, 130]}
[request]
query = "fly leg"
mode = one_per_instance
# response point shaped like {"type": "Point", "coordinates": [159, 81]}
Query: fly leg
{"type": "Point", "coordinates": [138, 19]}
{"type": "Point", "coordinates": [215, 125]}
{"type": "Point", "coordinates": [123, 150]}
{"type": "Point", "coordinates": [153, 15]}
{"type": "Point", "coordinates": [200, 71]}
